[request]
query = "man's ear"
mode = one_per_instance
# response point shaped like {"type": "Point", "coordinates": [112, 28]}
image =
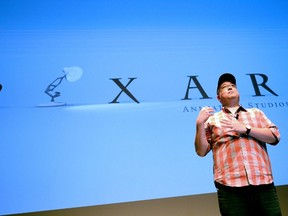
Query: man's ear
{"type": "Point", "coordinates": [218, 98]}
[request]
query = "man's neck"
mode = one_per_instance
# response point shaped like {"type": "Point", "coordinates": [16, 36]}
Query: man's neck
{"type": "Point", "coordinates": [232, 106]}
{"type": "Point", "coordinates": [232, 109]}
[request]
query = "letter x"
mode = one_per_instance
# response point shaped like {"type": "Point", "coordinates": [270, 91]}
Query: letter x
{"type": "Point", "coordinates": [123, 89]}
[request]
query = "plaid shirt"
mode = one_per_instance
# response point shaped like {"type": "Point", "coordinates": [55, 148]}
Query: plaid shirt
{"type": "Point", "coordinates": [240, 160]}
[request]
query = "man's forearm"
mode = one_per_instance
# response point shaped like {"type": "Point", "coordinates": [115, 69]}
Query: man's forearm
{"type": "Point", "coordinates": [264, 135]}
{"type": "Point", "coordinates": [201, 144]}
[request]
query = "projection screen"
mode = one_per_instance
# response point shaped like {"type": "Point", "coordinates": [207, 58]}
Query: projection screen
{"type": "Point", "coordinates": [99, 98]}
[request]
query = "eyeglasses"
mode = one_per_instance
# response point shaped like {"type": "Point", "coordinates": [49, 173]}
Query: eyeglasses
{"type": "Point", "coordinates": [227, 87]}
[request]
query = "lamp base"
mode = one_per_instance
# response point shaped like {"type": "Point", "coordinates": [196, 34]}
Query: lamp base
{"type": "Point", "coordinates": [52, 104]}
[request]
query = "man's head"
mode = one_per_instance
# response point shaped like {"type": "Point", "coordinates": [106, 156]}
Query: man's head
{"type": "Point", "coordinates": [226, 77]}
{"type": "Point", "coordinates": [227, 92]}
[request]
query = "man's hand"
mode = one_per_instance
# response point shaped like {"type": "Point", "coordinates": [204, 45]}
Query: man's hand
{"type": "Point", "coordinates": [233, 125]}
{"type": "Point", "coordinates": [204, 114]}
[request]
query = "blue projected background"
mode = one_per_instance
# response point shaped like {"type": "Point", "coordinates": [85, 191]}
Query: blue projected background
{"type": "Point", "coordinates": [101, 148]}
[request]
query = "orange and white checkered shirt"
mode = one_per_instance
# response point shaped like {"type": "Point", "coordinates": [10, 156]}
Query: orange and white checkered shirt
{"type": "Point", "coordinates": [240, 160]}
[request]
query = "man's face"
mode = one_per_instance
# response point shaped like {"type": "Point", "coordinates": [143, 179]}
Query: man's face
{"type": "Point", "coordinates": [226, 92]}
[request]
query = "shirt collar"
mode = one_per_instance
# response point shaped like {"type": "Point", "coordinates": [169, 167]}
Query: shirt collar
{"type": "Point", "coordinates": [241, 108]}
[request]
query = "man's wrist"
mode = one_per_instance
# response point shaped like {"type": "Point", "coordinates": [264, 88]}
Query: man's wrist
{"type": "Point", "coordinates": [248, 130]}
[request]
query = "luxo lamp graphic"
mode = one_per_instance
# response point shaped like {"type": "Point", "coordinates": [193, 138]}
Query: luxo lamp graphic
{"type": "Point", "coordinates": [71, 74]}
